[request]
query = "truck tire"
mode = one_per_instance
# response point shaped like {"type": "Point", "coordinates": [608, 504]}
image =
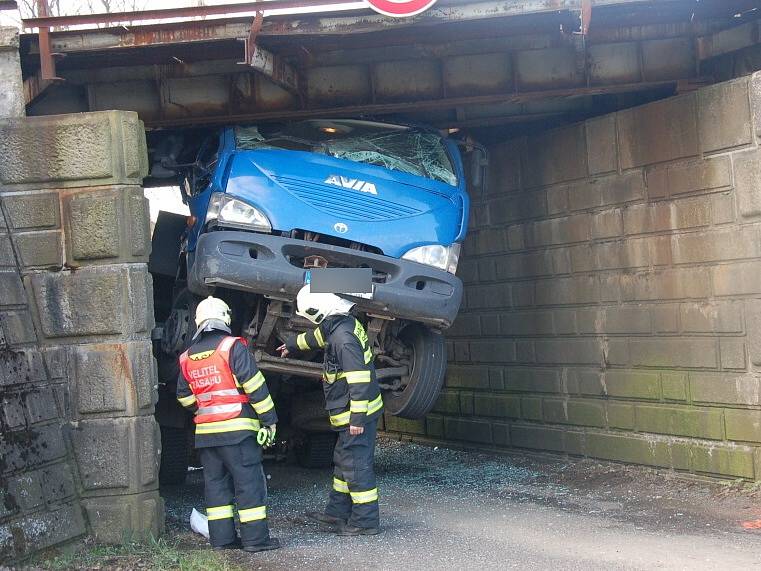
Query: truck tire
{"type": "Point", "coordinates": [428, 365]}
{"type": "Point", "coordinates": [175, 455]}
{"type": "Point", "coordinates": [180, 326]}
{"type": "Point", "coordinates": [316, 449]}
{"type": "Point", "coordinates": [308, 413]}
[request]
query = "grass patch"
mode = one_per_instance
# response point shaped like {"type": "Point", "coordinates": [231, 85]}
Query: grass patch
{"type": "Point", "coordinates": [158, 554]}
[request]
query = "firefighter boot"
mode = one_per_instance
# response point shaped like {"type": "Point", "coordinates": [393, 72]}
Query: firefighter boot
{"type": "Point", "coordinates": [329, 522]}
{"type": "Point", "coordinates": [234, 545]}
{"type": "Point", "coordinates": [354, 531]}
{"type": "Point", "coordinates": [269, 545]}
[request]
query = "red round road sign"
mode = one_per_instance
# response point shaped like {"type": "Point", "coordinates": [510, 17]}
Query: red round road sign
{"type": "Point", "coordinates": [400, 8]}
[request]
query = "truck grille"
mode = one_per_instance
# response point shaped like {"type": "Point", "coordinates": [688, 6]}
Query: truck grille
{"type": "Point", "coordinates": [349, 204]}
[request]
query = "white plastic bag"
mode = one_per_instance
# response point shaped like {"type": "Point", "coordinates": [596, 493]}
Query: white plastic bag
{"type": "Point", "coordinates": [199, 523]}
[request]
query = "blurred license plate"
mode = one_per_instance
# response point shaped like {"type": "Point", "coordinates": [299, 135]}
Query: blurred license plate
{"type": "Point", "coordinates": [341, 281]}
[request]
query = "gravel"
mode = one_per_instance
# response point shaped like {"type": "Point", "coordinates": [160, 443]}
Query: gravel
{"type": "Point", "coordinates": [442, 508]}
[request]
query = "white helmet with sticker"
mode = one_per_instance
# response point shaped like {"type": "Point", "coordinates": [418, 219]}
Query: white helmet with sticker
{"type": "Point", "coordinates": [213, 308]}
{"type": "Point", "coordinates": [318, 306]}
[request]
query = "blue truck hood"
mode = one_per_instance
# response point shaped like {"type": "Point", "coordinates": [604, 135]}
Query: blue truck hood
{"type": "Point", "coordinates": [390, 210]}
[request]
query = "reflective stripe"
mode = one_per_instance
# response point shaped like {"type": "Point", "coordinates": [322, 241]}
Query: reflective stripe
{"type": "Point", "coordinates": [203, 397]}
{"type": "Point", "coordinates": [375, 405]}
{"type": "Point", "coordinates": [318, 336]}
{"type": "Point", "coordinates": [254, 383]}
{"type": "Point", "coordinates": [353, 377]}
{"type": "Point", "coordinates": [358, 406]}
{"type": "Point", "coordinates": [223, 393]}
{"type": "Point", "coordinates": [264, 405]}
{"type": "Point", "coordinates": [340, 419]}
{"type": "Point", "coordinates": [228, 425]}
{"type": "Point", "coordinates": [187, 401]}
{"type": "Point", "coordinates": [219, 512]}
{"type": "Point", "coordinates": [368, 356]}
{"type": "Point", "coordinates": [301, 341]}
{"type": "Point", "coordinates": [340, 486]}
{"type": "Point", "coordinates": [218, 409]}
{"type": "Point", "coordinates": [252, 514]}
{"type": "Point", "coordinates": [365, 497]}
{"type": "Point", "coordinates": [227, 343]}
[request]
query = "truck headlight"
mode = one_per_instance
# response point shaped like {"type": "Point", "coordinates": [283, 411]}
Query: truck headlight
{"type": "Point", "coordinates": [228, 211]}
{"type": "Point", "coordinates": [436, 255]}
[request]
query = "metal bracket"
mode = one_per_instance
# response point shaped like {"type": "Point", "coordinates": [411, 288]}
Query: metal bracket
{"type": "Point", "coordinates": [586, 16]}
{"type": "Point", "coordinates": [274, 311]}
{"type": "Point", "coordinates": [374, 328]}
{"type": "Point", "coordinates": [249, 43]}
{"type": "Point", "coordinates": [47, 58]}
{"type": "Point", "coordinates": [265, 62]}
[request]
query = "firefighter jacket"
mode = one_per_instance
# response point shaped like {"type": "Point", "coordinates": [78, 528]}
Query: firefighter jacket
{"type": "Point", "coordinates": [352, 395]}
{"type": "Point", "coordinates": [220, 382]}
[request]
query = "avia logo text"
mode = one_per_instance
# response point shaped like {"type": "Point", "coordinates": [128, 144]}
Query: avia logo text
{"type": "Point", "coordinates": [353, 183]}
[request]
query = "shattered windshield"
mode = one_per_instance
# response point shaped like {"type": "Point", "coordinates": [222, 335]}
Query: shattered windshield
{"type": "Point", "coordinates": [393, 147]}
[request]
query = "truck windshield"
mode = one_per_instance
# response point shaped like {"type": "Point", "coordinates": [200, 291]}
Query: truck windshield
{"type": "Point", "coordinates": [394, 147]}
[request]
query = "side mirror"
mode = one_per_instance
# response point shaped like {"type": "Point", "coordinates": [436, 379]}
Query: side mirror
{"type": "Point", "coordinates": [171, 164]}
{"type": "Point", "coordinates": [479, 162]}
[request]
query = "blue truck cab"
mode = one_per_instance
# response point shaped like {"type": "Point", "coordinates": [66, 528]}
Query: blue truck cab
{"type": "Point", "coordinates": [270, 203]}
{"type": "Point", "coordinates": [354, 193]}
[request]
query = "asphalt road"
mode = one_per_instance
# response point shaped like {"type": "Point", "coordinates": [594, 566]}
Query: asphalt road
{"type": "Point", "coordinates": [442, 509]}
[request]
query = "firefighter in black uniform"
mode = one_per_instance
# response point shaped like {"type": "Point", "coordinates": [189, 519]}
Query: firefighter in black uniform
{"type": "Point", "coordinates": [354, 403]}
{"type": "Point", "coordinates": [234, 416]}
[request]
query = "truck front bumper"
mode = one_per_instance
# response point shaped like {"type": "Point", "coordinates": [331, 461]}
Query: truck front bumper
{"type": "Point", "coordinates": [259, 263]}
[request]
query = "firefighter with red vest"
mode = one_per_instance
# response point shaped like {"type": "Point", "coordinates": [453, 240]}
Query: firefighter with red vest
{"type": "Point", "coordinates": [354, 403]}
{"type": "Point", "coordinates": [234, 418]}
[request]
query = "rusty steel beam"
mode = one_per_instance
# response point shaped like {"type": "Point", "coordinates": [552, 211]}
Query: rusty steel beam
{"type": "Point", "coordinates": [571, 116]}
{"type": "Point", "coordinates": [276, 69]}
{"type": "Point", "coordinates": [336, 25]}
{"type": "Point", "coordinates": [47, 57]}
{"type": "Point", "coordinates": [446, 8]}
{"type": "Point", "coordinates": [169, 13]}
{"type": "Point", "coordinates": [249, 43]}
{"type": "Point", "coordinates": [412, 106]}
{"type": "Point", "coordinates": [265, 62]}
{"type": "Point", "coordinates": [730, 40]}
{"type": "Point", "coordinates": [586, 16]}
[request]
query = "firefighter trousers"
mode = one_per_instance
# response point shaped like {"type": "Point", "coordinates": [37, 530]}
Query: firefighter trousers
{"type": "Point", "coordinates": [235, 471]}
{"type": "Point", "coordinates": [354, 496]}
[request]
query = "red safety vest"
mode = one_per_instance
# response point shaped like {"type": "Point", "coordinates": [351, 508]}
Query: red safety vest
{"type": "Point", "coordinates": [210, 378]}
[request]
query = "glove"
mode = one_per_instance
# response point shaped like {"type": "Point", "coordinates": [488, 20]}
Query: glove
{"type": "Point", "coordinates": [266, 436]}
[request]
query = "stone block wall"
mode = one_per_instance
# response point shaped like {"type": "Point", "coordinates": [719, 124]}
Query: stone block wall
{"type": "Point", "coordinates": [613, 291]}
{"type": "Point", "coordinates": [78, 377]}
{"type": "Point", "coordinates": [12, 93]}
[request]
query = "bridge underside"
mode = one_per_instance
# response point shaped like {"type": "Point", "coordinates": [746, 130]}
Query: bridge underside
{"type": "Point", "coordinates": [523, 66]}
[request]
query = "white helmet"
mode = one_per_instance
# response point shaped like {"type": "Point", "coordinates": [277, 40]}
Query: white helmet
{"type": "Point", "coordinates": [213, 308]}
{"type": "Point", "coordinates": [317, 306]}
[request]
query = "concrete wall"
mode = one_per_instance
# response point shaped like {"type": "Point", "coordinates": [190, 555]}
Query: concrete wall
{"type": "Point", "coordinates": [12, 92]}
{"type": "Point", "coordinates": [613, 298]}
{"type": "Point", "coordinates": [79, 446]}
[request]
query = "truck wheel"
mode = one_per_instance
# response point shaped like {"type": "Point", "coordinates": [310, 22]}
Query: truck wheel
{"type": "Point", "coordinates": [175, 455]}
{"type": "Point", "coordinates": [180, 325]}
{"type": "Point", "coordinates": [316, 450]}
{"type": "Point", "coordinates": [427, 364]}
